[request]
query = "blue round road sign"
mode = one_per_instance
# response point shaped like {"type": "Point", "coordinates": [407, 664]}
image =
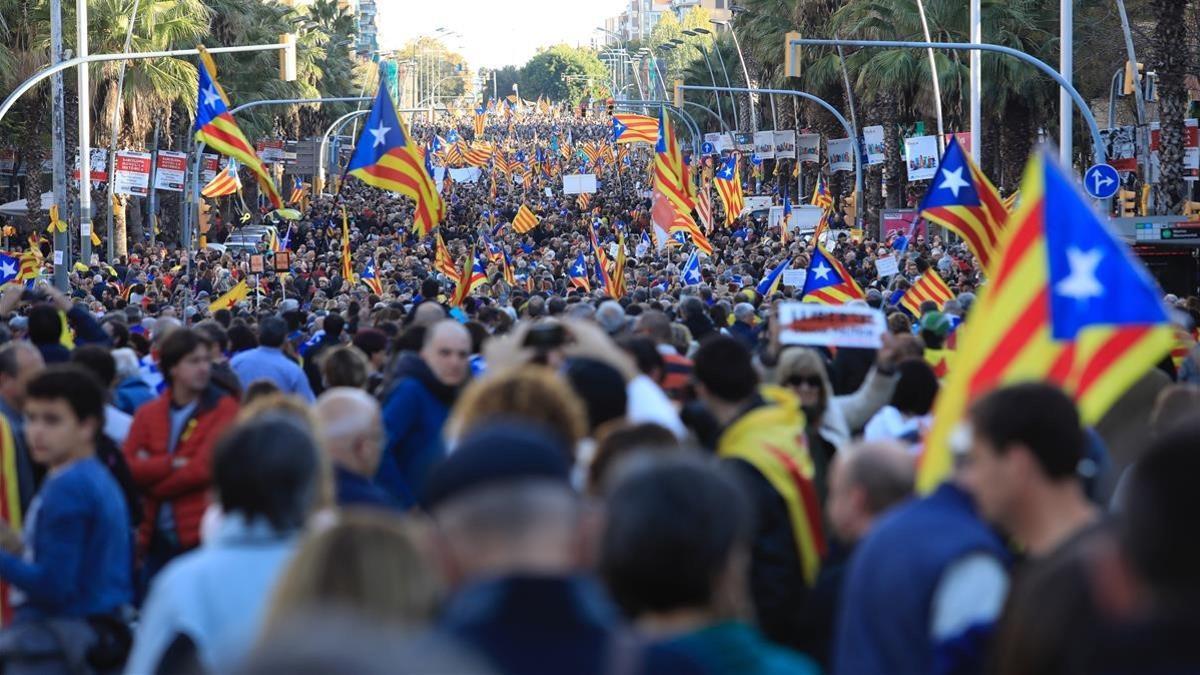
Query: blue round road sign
{"type": "Point", "coordinates": [708, 148]}
{"type": "Point", "coordinates": [1101, 181]}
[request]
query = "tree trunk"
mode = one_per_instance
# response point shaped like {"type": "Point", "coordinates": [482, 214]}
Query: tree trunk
{"type": "Point", "coordinates": [120, 229]}
{"type": "Point", "coordinates": [1015, 141]}
{"type": "Point", "coordinates": [1170, 62]}
{"type": "Point", "coordinates": [894, 164]}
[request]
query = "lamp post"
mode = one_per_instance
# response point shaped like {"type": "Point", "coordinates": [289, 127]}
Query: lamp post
{"type": "Point", "coordinates": [933, 73]}
{"type": "Point", "coordinates": [745, 71]}
{"type": "Point", "coordinates": [694, 32]}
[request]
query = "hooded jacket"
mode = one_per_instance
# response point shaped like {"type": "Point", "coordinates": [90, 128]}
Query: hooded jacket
{"type": "Point", "coordinates": [414, 411]}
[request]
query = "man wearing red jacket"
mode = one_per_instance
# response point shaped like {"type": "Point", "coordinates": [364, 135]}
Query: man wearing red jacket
{"type": "Point", "coordinates": [169, 449]}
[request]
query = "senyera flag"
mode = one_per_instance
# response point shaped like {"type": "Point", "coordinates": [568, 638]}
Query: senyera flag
{"type": "Point", "coordinates": [387, 157]}
{"type": "Point", "coordinates": [1066, 303]}
{"type": "Point", "coordinates": [215, 126]}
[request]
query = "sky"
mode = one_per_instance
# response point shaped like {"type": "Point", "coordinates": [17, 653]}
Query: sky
{"type": "Point", "coordinates": [495, 33]}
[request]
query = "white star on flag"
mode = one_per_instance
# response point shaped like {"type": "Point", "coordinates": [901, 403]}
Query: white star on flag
{"type": "Point", "coordinates": [380, 134]}
{"type": "Point", "coordinates": [578, 271]}
{"type": "Point", "coordinates": [211, 96]}
{"type": "Point", "coordinates": [7, 269]}
{"type": "Point", "coordinates": [822, 270]}
{"type": "Point", "coordinates": [953, 180]}
{"type": "Point", "coordinates": [1081, 283]}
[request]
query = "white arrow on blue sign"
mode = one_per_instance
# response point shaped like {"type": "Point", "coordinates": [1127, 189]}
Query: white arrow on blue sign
{"type": "Point", "coordinates": [708, 148]}
{"type": "Point", "coordinates": [1101, 181]}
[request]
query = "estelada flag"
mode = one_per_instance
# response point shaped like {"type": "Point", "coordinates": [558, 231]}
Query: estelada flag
{"type": "Point", "coordinates": [1066, 303]}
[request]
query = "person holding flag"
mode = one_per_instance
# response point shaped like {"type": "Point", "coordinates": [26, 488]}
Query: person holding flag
{"type": "Point", "coordinates": [729, 188]}
{"type": "Point", "coordinates": [578, 274]}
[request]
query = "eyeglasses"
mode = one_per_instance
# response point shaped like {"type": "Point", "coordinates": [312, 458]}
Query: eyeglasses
{"type": "Point", "coordinates": [813, 381]}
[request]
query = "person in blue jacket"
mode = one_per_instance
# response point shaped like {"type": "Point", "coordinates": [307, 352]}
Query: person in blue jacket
{"type": "Point", "coordinates": [415, 408]}
{"type": "Point", "coordinates": [75, 560]}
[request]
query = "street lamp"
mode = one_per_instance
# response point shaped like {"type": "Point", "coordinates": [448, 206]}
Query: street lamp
{"type": "Point", "coordinates": [695, 32]}
{"type": "Point", "coordinates": [737, 9]}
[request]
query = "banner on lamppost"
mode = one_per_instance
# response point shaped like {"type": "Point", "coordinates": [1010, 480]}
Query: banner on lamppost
{"type": "Point", "coordinates": [131, 173]}
{"type": "Point", "coordinates": [1120, 147]}
{"type": "Point", "coordinates": [764, 144]}
{"type": "Point", "coordinates": [873, 145]}
{"type": "Point", "coordinates": [785, 144]}
{"type": "Point", "coordinates": [170, 169]}
{"type": "Point", "coordinates": [808, 148]}
{"type": "Point", "coordinates": [209, 168]}
{"type": "Point", "coordinates": [841, 154]}
{"type": "Point", "coordinates": [99, 168]}
{"type": "Point", "coordinates": [921, 157]}
{"type": "Point", "coordinates": [1191, 150]}
{"type": "Point", "coordinates": [271, 150]}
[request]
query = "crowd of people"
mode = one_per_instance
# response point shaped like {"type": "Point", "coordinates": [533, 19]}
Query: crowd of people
{"type": "Point", "coordinates": [541, 478]}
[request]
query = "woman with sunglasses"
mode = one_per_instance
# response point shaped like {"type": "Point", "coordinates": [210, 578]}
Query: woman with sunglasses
{"type": "Point", "coordinates": [833, 420]}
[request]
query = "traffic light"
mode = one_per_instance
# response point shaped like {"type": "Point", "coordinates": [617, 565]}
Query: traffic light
{"type": "Point", "coordinates": [1144, 202]}
{"type": "Point", "coordinates": [287, 57]}
{"type": "Point", "coordinates": [1191, 209]}
{"type": "Point", "coordinates": [678, 93]}
{"type": "Point", "coordinates": [609, 105]}
{"type": "Point", "coordinates": [1129, 79]}
{"type": "Point", "coordinates": [850, 207]}
{"type": "Point", "coordinates": [1127, 203]}
{"type": "Point", "coordinates": [791, 55]}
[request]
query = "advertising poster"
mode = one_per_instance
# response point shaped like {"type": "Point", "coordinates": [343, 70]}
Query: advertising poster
{"type": "Point", "coordinates": [900, 221]}
{"type": "Point", "coordinates": [131, 173]}
{"type": "Point", "coordinates": [169, 173]}
{"type": "Point", "coordinates": [921, 157]}
{"type": "Point", "coordinates": [209, 168]}
{"type": "Point", "coordinates": [1120, 147]}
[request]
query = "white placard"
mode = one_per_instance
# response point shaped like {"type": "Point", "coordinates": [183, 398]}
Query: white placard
{"type": "Point", "coordinates": [785, 144]}
{"type": "Point", "coordinates": [547, 192]}
{"type": "Point", "coordinates": [808, 147]}
{"type": "Point", "coordinates": [841, 154]}
{"type": "Point", "coordinates": [578, 183]}
{"type": "Point", "coordinates": [887, 266]}
{"type": "Point", "coordinates": [873, 145]}
{"type": "Point", "coordinates": [804, 323]}
{"type": "Point", "coordinates": [756, 202]}
{"type": "Point", "coordinates": [468, 174]}
{"type": "Point", "coordinates": [271, 150]}
{"type": "Point", "coordinates": [131, 175]}
{"type": "Point", "coordinates": [172, 166]}
{"type": "Point", "coordinates": [805, 218]}
{"type": "Point", "coordinates": [764, 144]}
{"type": "Point", "coordinates": [774, 215]}
{"type": "Point", "coordinates": [720, 142]}
{"type": "Point", "coordinates": [794, 278]}
{"type": "Point", "coordinates": [921, 157]}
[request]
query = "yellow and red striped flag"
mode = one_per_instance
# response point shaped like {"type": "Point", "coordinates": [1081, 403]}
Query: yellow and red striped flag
{"type": "Point", "coordinates": [930, 286]}
{"type": "Point", "coordinates": [226, 182]}
{"type": "Point", "coordinates": [630, 128]}
{"type": "Point", "coordinates": [728, 182]}
{"type": "Point", "coordinates": [1066, 303]}
{"type": "Point", "coordinates": [387, 157]}
{"type": "Point", "coordinates": [215, 126]}
{"type": "Point", "coordinates": [347, 267]}
{"type": "Point", "coordinates": [525, 220]}
{"type": "Point", "coordinates": [963, 200]}
{"type": "Point", "coordinates": [442, 261]}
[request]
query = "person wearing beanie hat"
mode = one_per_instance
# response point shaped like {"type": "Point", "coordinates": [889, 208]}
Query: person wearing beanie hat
{"type": "Point", "coordinates": [511, 538]}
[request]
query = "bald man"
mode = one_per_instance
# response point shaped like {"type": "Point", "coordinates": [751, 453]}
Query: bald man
{"type": "Point", "coordinates": [351, 433]}
{"type": "Point", "coordinates": [416, 408]}
{"type": "Point", "coordinates": [865, 480]}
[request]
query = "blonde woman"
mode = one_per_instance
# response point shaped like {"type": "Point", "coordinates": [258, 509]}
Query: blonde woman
{"type": "Point", "coordinates": [367, 564]}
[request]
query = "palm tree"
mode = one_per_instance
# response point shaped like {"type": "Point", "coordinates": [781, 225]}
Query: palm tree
{"type": "Point", "coordinates": [150, 85]}
{"type": "Point", "coordinates": [22, 53]}
{"type": "Point", "coordinates": [1170, 61]}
